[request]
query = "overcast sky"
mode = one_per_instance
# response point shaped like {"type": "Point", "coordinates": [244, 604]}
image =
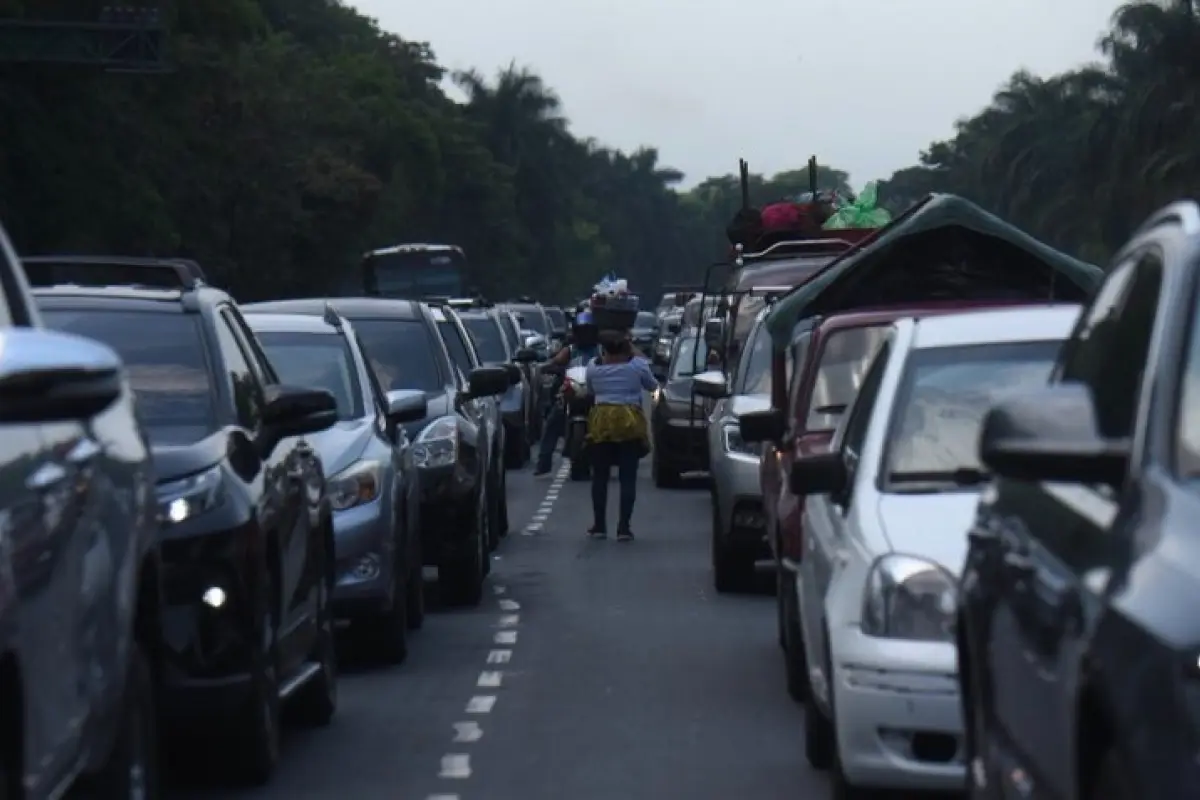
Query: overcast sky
{"type": "Point", "coordinates": [864, 86]}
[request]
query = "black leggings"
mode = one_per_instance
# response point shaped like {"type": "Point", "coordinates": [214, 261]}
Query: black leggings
{"type": "Point", "coordinates": [625, 457]}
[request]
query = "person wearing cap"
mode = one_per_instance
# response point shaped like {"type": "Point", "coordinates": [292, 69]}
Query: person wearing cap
{"type": "Point", "coordinates": [556, 417]}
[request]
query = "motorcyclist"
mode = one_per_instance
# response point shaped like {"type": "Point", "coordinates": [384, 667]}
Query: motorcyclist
{"type": "Point", "coordinates": [581, 343]}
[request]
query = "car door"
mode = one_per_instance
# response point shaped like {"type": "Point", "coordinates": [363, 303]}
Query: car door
{"type": "Point", "coordinates": [1064, 530]}
{"type": "Point", "coordinates": [825, 518]}
{"type": "Point", "coordinates": [783, 507]}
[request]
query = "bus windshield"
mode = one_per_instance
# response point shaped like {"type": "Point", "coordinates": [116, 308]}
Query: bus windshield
{"type": "Point", "coordinates": [415, 271]}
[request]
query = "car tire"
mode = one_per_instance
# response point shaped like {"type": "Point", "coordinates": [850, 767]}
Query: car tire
{"type": "Point", "coordinates": [316, 703]}
{"type": "Point", "coordinates": [665, 475]}
{"type": "Point", "coordinates": [515, 448]}
{"type": "Point", "coordinates": [387, 632]}
{"type": "Point", "coordinates": [503, 521]}
{"type": "Point", "coordinates": [255, 748]}
{"type": "Point", "coordinates": [820, 738]}
{"type": "Point", "coordinates": [460, 580]}
{"type": "Point", "coordinates": [415, 605]}
{"type": "Point", "coordinates": [1111, 781]}
{"type": "Point", "coordinates": [794, 659]}
{"type": "Point", "coordinates": [132, 769]}
{"type": "Point", "coordinates": [733, 569]}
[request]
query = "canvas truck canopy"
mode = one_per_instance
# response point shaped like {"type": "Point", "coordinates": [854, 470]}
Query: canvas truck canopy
{"type": "Point", "coordinates": [944, 248]}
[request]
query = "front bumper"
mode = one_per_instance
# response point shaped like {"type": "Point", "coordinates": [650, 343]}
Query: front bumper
{"type": "Point", "coordinates": [899, 720]}
{"type": "Point", "coordinates": [363, 545]}
{"type": "Point", "coordinates": [209, 620]}
{"type": "Point", "coordinates": [683, 442]}
{"type": "Point", "coordinates": [449, 509]}
{"type": "Point", "coordinates": [738, 499]}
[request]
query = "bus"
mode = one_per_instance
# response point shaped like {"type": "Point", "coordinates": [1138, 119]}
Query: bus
{"type": "Point", "coordinates": [414, 271]}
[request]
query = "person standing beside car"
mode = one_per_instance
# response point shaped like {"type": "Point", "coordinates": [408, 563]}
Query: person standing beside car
{"type": "Point", "coordinates": [578, 346]}
{"type": "Point", "coordinates": [617, 427]}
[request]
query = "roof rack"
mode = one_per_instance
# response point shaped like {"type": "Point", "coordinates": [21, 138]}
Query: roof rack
{"type": "Point", "coordinates": [99, 271]}
{"type": "Point", "coordinates": [794, 247]}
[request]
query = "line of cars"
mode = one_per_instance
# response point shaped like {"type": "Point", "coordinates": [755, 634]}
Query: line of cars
{"type": "Point", "coordinates": [977, 483]}
{"type": "Point", "coordinates": [197, 491]}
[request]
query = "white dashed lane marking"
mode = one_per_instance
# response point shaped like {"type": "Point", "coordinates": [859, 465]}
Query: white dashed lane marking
{"type": "Point", "coordinates": [457, 766]}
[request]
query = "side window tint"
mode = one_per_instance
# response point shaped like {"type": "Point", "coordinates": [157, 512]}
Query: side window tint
{"type": "Point", "coordinates": [845, 356]}
{"type": "Point", "coordinates": [247, 393]}
{"type": "Point", "coordinates": [254, 352]}
{"type": "Point", "coordinates": [377, 392]}
{"type": "Point", "coordinates": [855, 433]}
{"type": "Point", "coordinates": [1112, 342]}
{"type": "Point", "coordinates": [797, 360]}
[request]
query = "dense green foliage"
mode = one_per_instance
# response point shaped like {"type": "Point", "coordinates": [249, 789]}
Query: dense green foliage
{"type": "Point", "coordinates": [1080, 159]}
{"type": "Point", "coordinates": [294, 134]}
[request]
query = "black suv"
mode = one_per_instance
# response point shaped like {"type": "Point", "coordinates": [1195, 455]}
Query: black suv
{"type": "Point", "coordinates": [1078, 638]}
{"type": "Point", "coordinates": [494, 330]}
{"type": "Point", "coordinates": [450, 443]}
{"type": "Point", "coordinates": [80, 595]}
{"type": "Point", "coordinates": [246, 526]}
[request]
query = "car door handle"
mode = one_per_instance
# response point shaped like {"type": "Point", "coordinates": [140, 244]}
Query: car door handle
{"type": "Point", "coordinates": [84, 451]}
{"type": "Point", "coordinates": [46, 477]}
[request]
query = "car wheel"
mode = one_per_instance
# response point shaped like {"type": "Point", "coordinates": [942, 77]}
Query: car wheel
{"type": "Point", "coordinates": [733, 569]}
{"type": "Point", "coordinates": [504, 524]}
{"type": "Point", "coordinates": [514, 448]}
{"type": "Point", "coordinates": [415, 587]}
{"type": "Point", "coordinates": [256, 747]}
{"type": "Point", "coordinates": [794, 658]}
{"type": "Point", "coordinates": [460, 580]}
{"type": "Point", "coordinates": [316, 703]}
{"type": "Point", "coordinates": [665, 476]}
{"type": "Point", "coordinates": [132, 770]}
{"type": "Point", "coordinates": [387, 633]}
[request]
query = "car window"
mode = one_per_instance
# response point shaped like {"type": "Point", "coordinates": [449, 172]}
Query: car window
{"type": "Point", "coordinates": [645, 320]}
{"type": "Point", "coordinates": [508, 325]}
{"type": "Point", "coordinates": [797, 362]}
{"type": "Point", "coordinates": [532, 319]}
{"type": "Point", "coordinates": [845, 356]}
{"type": "Point", "coordinates": [259, 363]}
{"type": "Point", "coordinates": [457, 348]}
{"type": "Point", "coordinates": [558, 320]}
{"type": "Point", "coordinates": [247, 392]}
{"type": "Point", "coordinates": [691, 357]}
{"type": "Point", "coordinates": [854, 433]}
{"type": "Point", "coordinates": [165, 360]}
{"type": "Point", "coordinates": [318, 360]}
{"type": "Point", "coordinates": [401, 353]}
{"type": "Point", "coordinates": [941, 402]}
{"type": "Point", "coordinates": [1108, 351]}
{"type": "Point", "coordinates": [755, 365]}
{"type": "Point", "coordinates": [1187, 416]}
{"type": "Point", "coordinates": [377, 391]}
{"type": "Point", "coordinates": [489, 341]}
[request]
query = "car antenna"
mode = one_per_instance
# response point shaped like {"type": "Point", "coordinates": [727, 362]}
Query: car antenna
{"type": "Point", "coordinates": [332, 318]}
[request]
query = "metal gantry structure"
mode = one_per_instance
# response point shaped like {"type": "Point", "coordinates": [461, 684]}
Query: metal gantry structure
{"type": "Point", "coordinates": [127, 37]}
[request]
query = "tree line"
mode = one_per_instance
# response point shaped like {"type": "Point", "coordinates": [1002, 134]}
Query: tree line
{"type": "Point", "coordinates": [1080, 159]}
{"type": "Point", "coordinates": [293, 135]}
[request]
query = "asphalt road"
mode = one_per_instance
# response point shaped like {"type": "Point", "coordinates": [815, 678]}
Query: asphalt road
{"type": "Point", "coordinates": [593, 670]}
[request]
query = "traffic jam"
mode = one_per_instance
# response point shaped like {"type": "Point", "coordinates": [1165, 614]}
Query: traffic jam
{"type": "Point", "coordinates": [966, 457]}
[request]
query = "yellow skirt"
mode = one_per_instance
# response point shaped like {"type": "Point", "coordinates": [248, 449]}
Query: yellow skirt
{"type": "Point", "coordinates": [617, 423]}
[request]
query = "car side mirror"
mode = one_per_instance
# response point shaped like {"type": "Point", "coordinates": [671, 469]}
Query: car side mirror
{"type": "Point", "coordinates": [822, 473]}
{"type": "Point", "coordinates": [47, 376]}
{"type": "Point", "coordinates": [1051, 434]}
{"type": "Point", "coordinates": [526, 355]}
{"type": "Point", "coordinates": [486, 382]}
{"type": "Point", "coordinates": [406, 405]}
{"type": "Point", "coordinates": [295, 411]}
{"type": "Point", "coordinates": [762, 426]}
{"type": "Point", "coordinates": [711, 385]}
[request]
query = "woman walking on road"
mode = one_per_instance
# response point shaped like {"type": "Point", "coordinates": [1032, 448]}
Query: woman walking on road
{"type": "Point", "coordinates": [617, 433]}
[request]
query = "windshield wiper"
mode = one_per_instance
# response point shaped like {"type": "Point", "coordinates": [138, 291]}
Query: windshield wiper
{"type": "Point", "coordinates": [963, 476]}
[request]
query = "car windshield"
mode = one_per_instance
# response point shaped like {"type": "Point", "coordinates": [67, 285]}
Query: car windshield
{"type": "Point", "coordinates": [489, 341]}
{"type": "Point", "coordinates": [558, 320]}
{"type": "Point", "coordinates": [756, 364]}
{"type": "Point", "coordinates": [532, 319]}
{"type": "Point", "coordinates": [401, 353]}
{"type": "Point", "coordinates": [845, 356]}
{"type": "Point", "coordinates": [933, 435]}
{"type": "Point", "coordinates": [165, 359]}
{"type": "Point", "coordinates": [320, 360]}
{"type": "Point", "coordinates": [690, 358]}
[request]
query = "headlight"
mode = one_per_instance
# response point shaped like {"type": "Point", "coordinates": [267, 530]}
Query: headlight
{"type": "Point", "coordinates": [732, 435]}
{"type": "Point", "coordinates": [437, 444]}
{"type": "Point", "coordinates": [909, 598]}
{"type": "Point", "coordinates": [356, 485]}
{"type": "Point", "coordinates": [189, 497]}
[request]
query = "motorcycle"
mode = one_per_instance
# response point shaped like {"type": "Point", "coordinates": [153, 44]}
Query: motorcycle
{"type": "Point", "coordinates": [577, 402]}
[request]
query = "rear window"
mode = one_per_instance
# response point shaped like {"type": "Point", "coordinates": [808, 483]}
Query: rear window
{"type": "Point", "coordinates": [164, 356]}
{"type": "Point", "coordinates": [489, 341]}
{"type": "Point", "coordinates": [319, 360]}
{"type": "Point", "coordinates": [844, 359]}
{"type": "Point", "coordinates": [532, 319]}
{"type": "Point", "coordinates": [401, 353]}
{"type": "Point", "coordinates": [558, 320]}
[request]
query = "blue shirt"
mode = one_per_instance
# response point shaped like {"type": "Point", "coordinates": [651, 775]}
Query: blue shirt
{"type": "Point", "coordinates": [622, 383]}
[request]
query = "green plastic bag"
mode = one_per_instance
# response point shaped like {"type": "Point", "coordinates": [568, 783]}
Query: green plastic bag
{"type": "Point", "coordinates": [860, 212]}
